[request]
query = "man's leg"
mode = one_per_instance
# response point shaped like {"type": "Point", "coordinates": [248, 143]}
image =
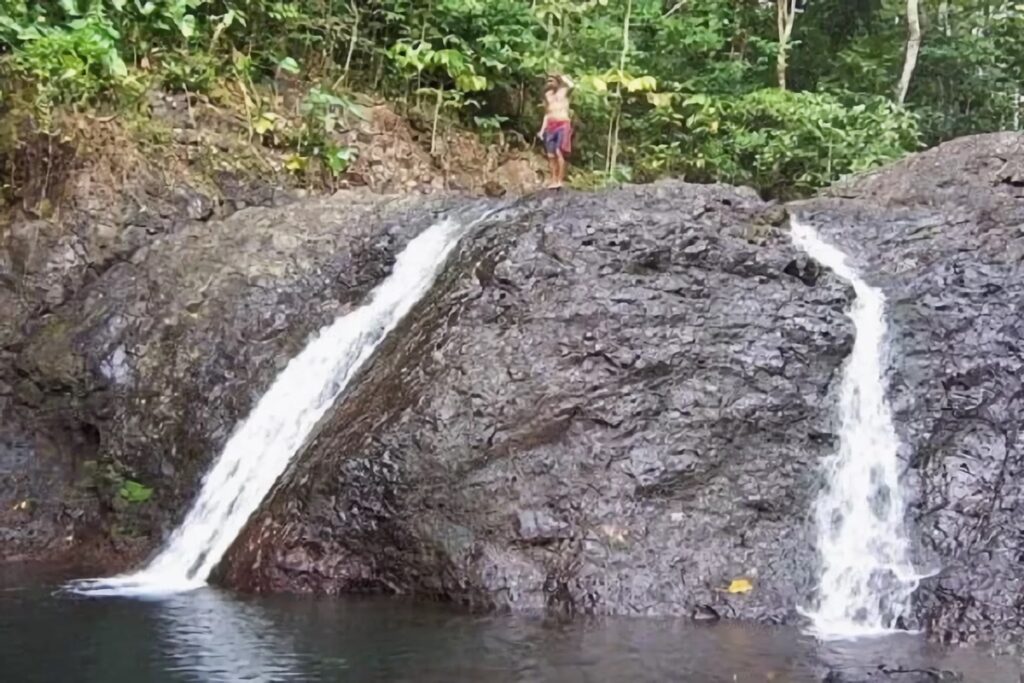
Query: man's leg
{"type": "Point", "coordinates": [563, 166]}
{"type": "Point", "coordinates": [553, 169]}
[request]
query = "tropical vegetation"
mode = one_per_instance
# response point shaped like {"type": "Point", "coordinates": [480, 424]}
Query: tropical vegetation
{"type": "Point", "coordinates": [785, 95]}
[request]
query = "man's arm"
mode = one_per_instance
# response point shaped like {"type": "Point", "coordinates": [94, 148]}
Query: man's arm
{"type": "Point", "coordinates": [544, 121]}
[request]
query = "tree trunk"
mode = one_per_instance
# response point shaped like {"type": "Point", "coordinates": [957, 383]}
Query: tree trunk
{"type": "Point", "coordinates": [786, 16]}
{"type": "Point", "coordinates": [613, 129]}
{"type": "Point", "coordinates": [913, 48]}
{"type": "Point", "coordinates": [352, 42]}
{"type": "Point", "coordinates": [437, 115]}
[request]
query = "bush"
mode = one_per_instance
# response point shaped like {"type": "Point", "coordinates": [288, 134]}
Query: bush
{"type": "Point", "coordinates": [76, 63]}
{"type": "Point", "coordinates": [782, 143]}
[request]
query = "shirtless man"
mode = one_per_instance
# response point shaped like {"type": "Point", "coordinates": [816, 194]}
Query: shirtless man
{"type": "Point", "coordinates": [556, 131]}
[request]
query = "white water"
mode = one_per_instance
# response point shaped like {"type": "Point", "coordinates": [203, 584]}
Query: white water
{"type": "Point", "coordinates": [867, 578]}
{"type": "Point", "coordinates": [261, 448]}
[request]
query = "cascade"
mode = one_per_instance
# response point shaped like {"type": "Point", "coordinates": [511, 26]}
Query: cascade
{"type": "Point", "coordinates": [261, 448]}
{"type": "Point", "coordinates": [867, 578]}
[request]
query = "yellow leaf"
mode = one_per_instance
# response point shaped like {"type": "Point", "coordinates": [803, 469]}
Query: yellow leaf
{"type": "Point", "coordinates": [740, 586]}
{"type": "Point", "coordinates": [598, 84]}
{"type": "Point", "coordinates": [660, 99]}
{"type": "Point", "coordinates": [263, 126]}
{"type": "Point", "coordinates": [641, 84]}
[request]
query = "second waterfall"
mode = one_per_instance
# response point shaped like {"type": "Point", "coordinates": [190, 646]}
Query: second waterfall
{"type": "Point", "coordinates": [867, 577]}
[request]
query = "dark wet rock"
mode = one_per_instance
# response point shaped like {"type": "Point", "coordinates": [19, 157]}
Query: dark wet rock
{"type": "Point", "coordinates": [942, 234]}
{"type": "Point", "coordinates": [705, 613]}
{"type": "Point", "coordinates": [892, 675]}
{"type": "Point", "coordinates": [192, 204]}
{"type": "Point", "coordinates": [239, 193]}
{"type": "Point", "coordinates": [144, 373]}
{"type": "Point", "coordinates": [608, 405]}
{"type": "Point", "coordinates": [540, 526]}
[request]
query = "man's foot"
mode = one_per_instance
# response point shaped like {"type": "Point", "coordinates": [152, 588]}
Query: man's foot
{"type": "Point", "coordinates": [554, 186]}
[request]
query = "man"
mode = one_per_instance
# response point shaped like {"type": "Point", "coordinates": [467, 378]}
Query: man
{"type": "Point", "coordinates": [556, 131]}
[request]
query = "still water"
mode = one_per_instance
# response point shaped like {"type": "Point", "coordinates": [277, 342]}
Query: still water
{"type": "Point", "coordinates": [213, 635]}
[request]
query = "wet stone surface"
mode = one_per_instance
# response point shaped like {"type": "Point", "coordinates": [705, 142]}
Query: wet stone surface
{"type": "Point", "coordinates": [143, 374]}
{"type": "Point", "coordinates": [611, 404]}
{"type": "Point", "coordinates": [943, 235]}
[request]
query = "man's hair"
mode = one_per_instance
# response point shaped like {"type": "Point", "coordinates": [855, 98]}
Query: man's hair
{"type": "Point", "coordinates": [559, 79]}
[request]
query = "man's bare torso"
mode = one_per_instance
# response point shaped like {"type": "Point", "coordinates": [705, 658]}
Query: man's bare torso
{"type": "Point", "coordinates": [556, 104]}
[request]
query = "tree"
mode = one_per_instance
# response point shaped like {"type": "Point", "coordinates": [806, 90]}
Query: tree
{"type": "Point", "coordinates": [644, 67]}
{"type": "Point", "coordinates": [786, 16]}
{"type": "Point", "coordinates": [913, 48]}
{"type": "Point", "coordinates": [616, 118]}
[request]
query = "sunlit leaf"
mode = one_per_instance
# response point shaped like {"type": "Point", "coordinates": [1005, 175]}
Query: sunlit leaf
{"type": "Point", "coordinates": [642, 83]}
{"type": "Point", "coordinates": [134, 492]}
{"type": "Point", "coordinates": [296, 163]}
{"type": "Point", "coordinates": [116, 65]}
{"type": "Point", "coordinates": [471, 83]}
{"type": "Point", "coordinates": [266, 123]}
{"type": "Point", "coordinates": [289, 65]}
{"type": "Point", "coordinates": [660, 99]}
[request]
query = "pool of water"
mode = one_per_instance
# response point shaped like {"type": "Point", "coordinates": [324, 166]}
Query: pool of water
{"type": "Point", "coordinates": [214, 635]}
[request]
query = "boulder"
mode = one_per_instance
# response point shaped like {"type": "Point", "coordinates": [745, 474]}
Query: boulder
{"type": "Point", "coordinates": [609, 403]}
{"type": "Point", "coordinates": [612, 403]}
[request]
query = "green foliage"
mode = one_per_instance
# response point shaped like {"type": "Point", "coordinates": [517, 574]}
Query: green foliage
{"type": "Point", "coordinates": [134, 492]}
{"type": "Point", "coordinates": [656, 76]}
{"type": "Point", "coordinates": [782, 142]}
{"type": "Point", "coordinates": [181, 70]}
{"type": "Point", "coordinates": [322, 112]}
{"type": "Point", "coordinates": [113, 485]}
{"type": "Point", "coordinates": [70, 64]}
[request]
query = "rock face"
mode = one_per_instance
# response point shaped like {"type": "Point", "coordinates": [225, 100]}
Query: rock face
{"type": "Point", "coordinates": [943, 234]}
{"type": "Point", "coordinates": [142, 375]}
{"type": "Point", "coordinates": [609, 403]}
{"type": "Point", "coordinates": [612, 404]}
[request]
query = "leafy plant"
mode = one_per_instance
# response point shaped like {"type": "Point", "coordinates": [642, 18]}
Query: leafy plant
{"type": "Point", "coordinates": [644, 66]}
{"type": "Point", "coordinates": [322, 112]}
{"type": "Point", "coordinates": [181, 70]}
{"type": "Point", "coordinates": [70, 64]}
{"type": "Point", "coordinates": [790, 143]}
{"type": "Point", "coordinates": [134, 492]}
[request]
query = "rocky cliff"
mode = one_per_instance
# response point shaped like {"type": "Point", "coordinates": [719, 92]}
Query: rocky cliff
{"type": "Point", "coordinates": [943, 234]}
{"type": "Point", "coordinates": [141, 375]}
{"type": "Point", "coordinates": [609, 403]}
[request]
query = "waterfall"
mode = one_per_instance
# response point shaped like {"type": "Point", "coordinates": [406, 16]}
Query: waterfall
{"type": "Point", "coordinates": [260, 449]}
{"type": "Point", "coordinates": [866, 574]}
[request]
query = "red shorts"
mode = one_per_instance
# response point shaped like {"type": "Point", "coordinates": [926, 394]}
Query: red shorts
{"type": "Point", "coordinates": [558, 137]}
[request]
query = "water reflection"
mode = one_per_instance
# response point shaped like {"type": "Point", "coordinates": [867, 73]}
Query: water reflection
{"type": "Point", "coordinates": [210, 636]}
